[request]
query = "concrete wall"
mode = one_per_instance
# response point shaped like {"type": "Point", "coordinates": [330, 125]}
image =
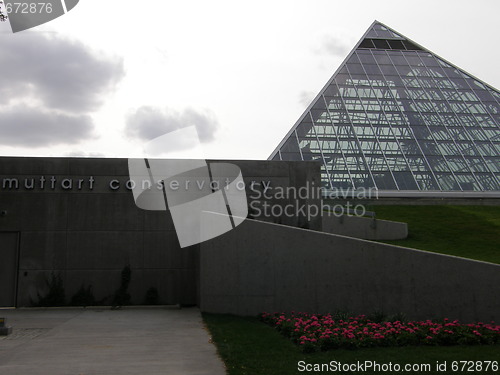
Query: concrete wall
{"type": "Point", "coordinates": [268, 267]}
{"type": "Point", "coordinates": [363, 227]}
{"type": "Point", "coordinates": [87, 234]}
{"type": "Point", "coordinates": [280, 176]}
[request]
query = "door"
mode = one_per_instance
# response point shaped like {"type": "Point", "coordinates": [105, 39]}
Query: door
{"type": "Point", "coordinates": [8, 268]}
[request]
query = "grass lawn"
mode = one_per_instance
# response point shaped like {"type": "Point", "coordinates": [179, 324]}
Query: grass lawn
{"type": "Point", "coordinates": [250, 347]}
{"type": "Point", "coordinates": [465, 231]}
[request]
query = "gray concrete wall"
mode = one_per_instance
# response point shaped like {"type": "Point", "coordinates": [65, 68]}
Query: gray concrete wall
{"type": "Point", "coordinates": [262, 267]}
{"type": "Point", "coordinates": [364, 228]}
{"type": "Point", "coordinates": [87, 235]}
{"type": "Point", "coordinates": [279, 176]}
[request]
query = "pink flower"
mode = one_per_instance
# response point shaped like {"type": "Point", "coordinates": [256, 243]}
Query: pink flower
{"type": "Point", "coordinates": [315, 328]}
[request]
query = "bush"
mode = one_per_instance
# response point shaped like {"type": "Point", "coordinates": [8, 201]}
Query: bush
{"type": "Point", "coordinates": [122, 297]}
{"type": "Point", "coordinates": [55, 295]}
{"type": "Point", "coordinates": [377, 316]}
{"type": "Point", "coordinates": [84, 297]}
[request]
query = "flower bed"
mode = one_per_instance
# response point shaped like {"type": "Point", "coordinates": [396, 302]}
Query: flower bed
{"type": "Point", "coordinates": [323, 332]}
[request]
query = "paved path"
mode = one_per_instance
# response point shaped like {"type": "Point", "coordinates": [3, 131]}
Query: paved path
{"type": "Point", "coordinates": [107, 342]}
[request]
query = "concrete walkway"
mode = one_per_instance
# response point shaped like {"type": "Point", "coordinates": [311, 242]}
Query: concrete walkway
{"type": "Point", "coordinates": [137, 341]}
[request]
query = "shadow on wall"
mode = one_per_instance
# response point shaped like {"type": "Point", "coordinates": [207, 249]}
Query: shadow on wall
{"type": "Point", "coordinates": [55, 294]}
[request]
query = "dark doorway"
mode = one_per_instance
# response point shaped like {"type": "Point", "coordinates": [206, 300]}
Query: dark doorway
{"type": "Point", "coordinates": [8, 268]}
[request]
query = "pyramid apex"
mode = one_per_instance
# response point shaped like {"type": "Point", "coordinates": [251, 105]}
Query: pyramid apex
{"type": "Point", "coordinates": [396, 116]}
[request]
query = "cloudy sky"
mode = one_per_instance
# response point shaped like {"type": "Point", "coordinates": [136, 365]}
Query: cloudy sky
{"type": "Point", "coordinates": [109, 76]}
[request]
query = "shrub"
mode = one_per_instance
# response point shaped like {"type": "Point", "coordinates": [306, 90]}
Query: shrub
{"type": "Point", "coordinates": [377, 316]}
{"type": "Point", "coordinates": [83, 297]}
{"type": "Point", "coordinates": [55, 295]}
{"type": "Point", "coordinates": [122, 297]}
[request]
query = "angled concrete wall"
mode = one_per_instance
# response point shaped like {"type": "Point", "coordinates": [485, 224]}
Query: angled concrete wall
{"type": "Point", "coordinates": [363, 227]}
{"type": "Point", "coordinates": [268, 267]}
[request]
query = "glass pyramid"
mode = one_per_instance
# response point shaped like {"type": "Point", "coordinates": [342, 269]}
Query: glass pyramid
{"type": "Point", "coordinates": [395, 116]}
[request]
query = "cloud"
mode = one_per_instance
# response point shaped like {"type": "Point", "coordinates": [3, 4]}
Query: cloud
{"type": "Point", "coordinates": [306, 97]}
{"type": "Point", "coordinates": [334, 45]}
{"type": "Point", "coordinates": [32, 127]}
{"type": "Point", "coordinates": [151, 122]}
{"type": "Point", "coordinates": [61, 74]}
{"type": "Point", "coordinates": [49, 88]}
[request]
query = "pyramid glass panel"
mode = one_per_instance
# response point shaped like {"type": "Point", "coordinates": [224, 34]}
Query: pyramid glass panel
{"type": "Point", "coordinates": [397, 117]}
